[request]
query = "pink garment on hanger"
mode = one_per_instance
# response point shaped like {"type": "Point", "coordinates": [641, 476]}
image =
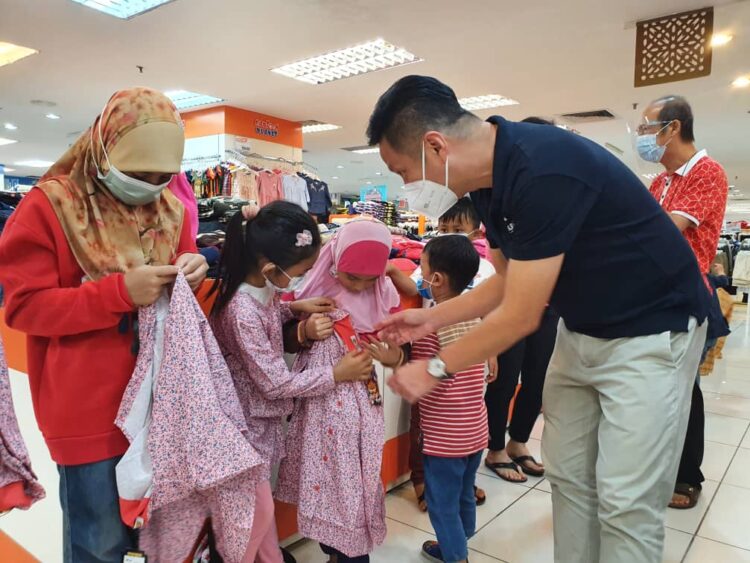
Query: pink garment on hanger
{"type": "Point", "coordinates": [362, 247]}
{"type": "Point", "coordinates": [202, 464]}
{"type": "Point", "coordinates": [334, 453]}
{"type": "Point", "coordinates": [182, 189]}
{"type": "Point", "coordinates": [270, 187]}
{"type": "Point", "coordinates": [19, 487]}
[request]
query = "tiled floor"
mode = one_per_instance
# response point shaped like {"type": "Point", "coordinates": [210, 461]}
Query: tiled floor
{"type": "Point", "coordinates": [515, 525]}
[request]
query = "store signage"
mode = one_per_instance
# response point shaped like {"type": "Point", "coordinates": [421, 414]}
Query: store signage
{"type": "Point", "coordinates": [373, 193]}
{"type": "Point", "coordinates": [266, 127]}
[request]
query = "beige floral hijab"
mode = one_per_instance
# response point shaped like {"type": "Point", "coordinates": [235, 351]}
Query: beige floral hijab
{"type": "Point", "coordinates": [139, 130]}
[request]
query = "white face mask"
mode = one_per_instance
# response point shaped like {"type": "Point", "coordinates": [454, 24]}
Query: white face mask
{"type": "Point", "coordinates": [294, 283]}
{"type": "Point", "coordinates": [128, 190]}
{"type": "Point", "coordinates": [427, 197]}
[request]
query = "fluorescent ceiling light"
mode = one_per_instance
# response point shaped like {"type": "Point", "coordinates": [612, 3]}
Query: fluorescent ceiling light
{"type": "Point", "coordinates": [10, 53]}
{"type": "Point", "coordinates": [486, 102]}
{"type": "Point", "coordinates": [184, 99]}
{"type": "Point", "coordinates": [334, 177]}
{"type": "Point", "coordinates": [368, 150]}
{"type": "Point", "coordinates": [319, 127]}
{"type": "Point", "coordinates": [741, 82]}
{"type": "Point", "coordinates": [4, 141]}
{"type": "Point", "coordinates": [11, 127]}
{"type": "Point", "coordinates": [9, 169]}
{"type": "Point", "coordinates": [123, 9]}
{"type": "Point", "coordinates": [720, 39]}
{"type": "Point", "coordinates": [35, 163]}
{"type": "Point", "coordinates": [339, 166]}
{"type": "Point", "coordinates": [52, 116]}
{"type": "Point", "coordinates": [345, 63]}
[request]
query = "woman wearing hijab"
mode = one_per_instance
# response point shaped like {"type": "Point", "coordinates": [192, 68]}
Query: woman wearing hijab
{"type": "Point", "coordinates": [98, 237]}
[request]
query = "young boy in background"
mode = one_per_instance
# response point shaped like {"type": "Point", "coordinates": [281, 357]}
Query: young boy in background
{"type": "Point", "coordinates": [453, 425]}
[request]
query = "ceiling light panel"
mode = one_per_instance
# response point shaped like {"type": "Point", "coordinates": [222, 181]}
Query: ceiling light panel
{"type": "Point", "coordinates": [345, 63]}
{"type": "Point", "coordinates": [10, 127]}
{"type": "Point", "coordinates": [4, 141]}
{"type": "Point", "coordinates": [52, 116]}
{"type": "Point", "coordinates": [720, 39]}
{"type": "Point", "coordinates": [185, 100]}
{"type": "Point", "coordinates": [123, 9]}
{"type": "Point", "coordinates": [10, 53]}
{"type": "Point", "coordinates": [485, 102]}
{"type": "Point", "coordinates": [368, 150]}
{"type": "Point", "coordinates": [34, 163]}
{"type": "Point", "coordinates": [741, 82]}
{"type": "Point", "coordinates": [317, 127]}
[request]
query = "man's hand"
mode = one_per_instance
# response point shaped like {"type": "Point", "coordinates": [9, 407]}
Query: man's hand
{"type": "Point", "coordinates": [145, 283]}
{"type": "Point", "coordinates": [194, 267]}
{"type": "Point", "coordinates": [412, 381]}
{"type": "Point", "coordinates": [492, 369]}
{"type": "Point", "coordinates": [406, 326]}
{"type": "Point", "coordinates": [312, 306]}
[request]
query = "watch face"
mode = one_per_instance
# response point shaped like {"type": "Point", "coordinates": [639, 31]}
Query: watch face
{"type": "Point", "coordinates": [436, 368]}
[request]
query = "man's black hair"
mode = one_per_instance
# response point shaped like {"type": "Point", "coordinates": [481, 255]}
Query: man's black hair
{"type": "Point", "coordinates": [410, 108]}
{"type": "Point", "coordinates": [677, 108]}
{"type": "Point", "coordinates": [537, 120]}
{"type": "Point", "coordinates": [463, 210]}
{"type": "Point", "coordinates": [455, 257]}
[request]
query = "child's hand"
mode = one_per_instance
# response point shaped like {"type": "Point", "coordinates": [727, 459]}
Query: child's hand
{"type": "Point", "coordinates": [389, 356]}
{"type": "Point", "coordinates": [314, 305]}
{"type": "Point", "coordinates": [492, 369]}
{"type": "Point", "coordinates": [318, 327]}
{"type": "Point", "coordinates": [355, 366]}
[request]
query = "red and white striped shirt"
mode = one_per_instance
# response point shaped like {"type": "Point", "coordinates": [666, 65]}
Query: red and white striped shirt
{"type": "Point", "coordinates": [453, 415]}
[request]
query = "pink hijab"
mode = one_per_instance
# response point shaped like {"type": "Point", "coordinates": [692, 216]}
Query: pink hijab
{"type": "Point", "coordinates": [181, 188]}
{"type": "Point", "coordinates": [361, 247]}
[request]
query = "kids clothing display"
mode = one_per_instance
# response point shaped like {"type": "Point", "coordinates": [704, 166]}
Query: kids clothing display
{"type": "Point", "coordinates": [19, 487]}
{"type": "Point", "coordinates": [190, 458]}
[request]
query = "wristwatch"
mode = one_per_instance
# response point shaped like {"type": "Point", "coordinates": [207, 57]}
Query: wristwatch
{"type": "Point", "coordinates": [436, 368]}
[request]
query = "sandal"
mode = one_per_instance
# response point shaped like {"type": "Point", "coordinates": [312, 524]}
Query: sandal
{"type": "Point", "coordinates": [495, 467]}
{"type": "Point", "coordinates": [481, 498]}
{"type": "Point", "coordinates": [692, 493]}
{"type": "Point", "coordinates": [528, 470]}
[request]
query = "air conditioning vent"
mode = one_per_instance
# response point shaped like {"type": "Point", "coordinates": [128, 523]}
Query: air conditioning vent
{"type": "Point", "coordinates": [588, 116]}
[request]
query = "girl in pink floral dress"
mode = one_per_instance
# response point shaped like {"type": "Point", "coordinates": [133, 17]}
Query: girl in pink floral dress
{"type": "Point", "coordinates": [264, 256]}
{"type": "Point", "coordinates": [335, 439]}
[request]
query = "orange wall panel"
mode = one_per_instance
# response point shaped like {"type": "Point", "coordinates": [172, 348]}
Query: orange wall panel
{"type": "Point", "coordinates": [204, 122]}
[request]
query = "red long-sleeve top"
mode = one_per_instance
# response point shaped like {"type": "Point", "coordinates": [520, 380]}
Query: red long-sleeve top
{"type": "Point", "coordinates": [79, 360]}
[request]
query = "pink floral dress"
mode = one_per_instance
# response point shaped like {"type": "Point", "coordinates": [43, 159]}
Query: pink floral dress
{"type": "Point", "coordinates": [334, 455]}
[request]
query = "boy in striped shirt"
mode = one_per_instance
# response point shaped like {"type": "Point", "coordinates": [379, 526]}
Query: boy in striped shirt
{"type": "Point", "coordinates": [453, 417]}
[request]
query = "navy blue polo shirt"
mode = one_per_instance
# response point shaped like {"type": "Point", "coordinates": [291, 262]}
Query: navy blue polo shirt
{"type": "Point", "coordinates": [628, 271]}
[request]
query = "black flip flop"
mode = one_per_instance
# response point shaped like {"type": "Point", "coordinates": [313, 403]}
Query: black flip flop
{"type": "Point", "coordinates": [533, 472]}
{"type": "Point", "coordinates": [512, 466]}
{"type": "Point", "coordinates": [689, 491]}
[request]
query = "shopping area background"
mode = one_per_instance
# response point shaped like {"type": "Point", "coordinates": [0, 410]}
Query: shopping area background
{"type": "Point", "coordinates": [251, 135]}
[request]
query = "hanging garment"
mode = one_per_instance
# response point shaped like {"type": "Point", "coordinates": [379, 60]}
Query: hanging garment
{"type": "Point", "coordinates": [182, 189]}
{"type": "Point", "coordinates": [269, 187]}
{"type": "Point", "coordinates": [334, 454]}
{"type": "Point", "coordinates": [190, 458]}
{"type": "Point", "coordinates": [741, 273]}
{"type": "Point", "coordinates": [295, 190]}
{"type": "Point", "coordinates": [19, 487]}
{"type": "Point", "coordinates": [246, 185]}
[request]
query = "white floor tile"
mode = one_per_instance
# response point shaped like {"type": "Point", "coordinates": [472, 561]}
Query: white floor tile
{"type": "Point", "coordinates": [727, 386]}
{"type": "Point", "coordinates": [726, 405]}
{"type": "Point", "coordinates": [726, 520]}
{"type": "Point", "coordinates": [536, 432]}
{"type": "Point", "coordinates": [689, 520]}
{"type": "Point", "coordinates": [725, 429]}
{"type": "Point", "coordinates": [544, 486]}
{"type": "Point", "coordinates": [716, 459]}
{"type": "Point", "coordinates": [401, 504]}
{"type": "Point", "coordinates": [521, 534]}
{"type": "Point", "coordinates": [707, 551]}
{"type": "Point", "coordinates": [746, 442]}
{"type": "Point", "coordinates": [403, 544]}
{"type": "Point", "coordinates": [739, 471]}
{"type": "Point", "coordinates": [675, 546]}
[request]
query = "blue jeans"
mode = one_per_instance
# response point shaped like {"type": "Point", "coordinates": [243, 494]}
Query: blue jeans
{"type": "Point", "coordinates": [92, 529]}
{"type": "Point", "coordinates": [451, 504]}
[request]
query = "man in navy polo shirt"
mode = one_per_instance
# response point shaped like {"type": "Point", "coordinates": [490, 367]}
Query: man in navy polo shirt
{"type": "Point", "coordinates": [578, 230]}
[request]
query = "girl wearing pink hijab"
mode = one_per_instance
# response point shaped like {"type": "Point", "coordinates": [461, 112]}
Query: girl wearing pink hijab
{"type": "Point", "coordinates": [335, 441]}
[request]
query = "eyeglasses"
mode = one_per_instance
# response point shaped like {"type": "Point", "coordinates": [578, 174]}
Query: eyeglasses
{"type": "Point", "coordinates": [649, 125]}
